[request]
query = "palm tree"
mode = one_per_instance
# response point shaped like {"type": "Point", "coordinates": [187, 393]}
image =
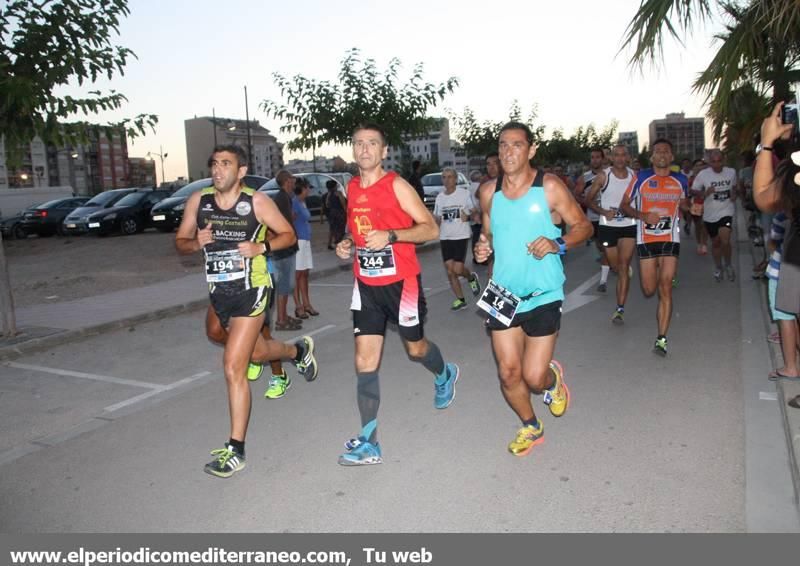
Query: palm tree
{"type": "Point", "coordinates": [758, 55]}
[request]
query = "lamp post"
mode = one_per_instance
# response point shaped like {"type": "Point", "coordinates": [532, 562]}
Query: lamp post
{"type": "Point", "coordinates": [249, 144]}
{"type": "Point", "coordinates": [163, 156]}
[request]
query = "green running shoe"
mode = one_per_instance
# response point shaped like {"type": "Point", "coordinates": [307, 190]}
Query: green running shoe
{"type": "Point", "coordinates": [278, 386]}
{"type": "Point", "coordinates": [254, 371]}
{"type": "Point", "coordinates": [660, 347]}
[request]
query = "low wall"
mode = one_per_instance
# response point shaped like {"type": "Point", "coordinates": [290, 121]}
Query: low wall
{"type": "Point", "coordinates": [13, 201]}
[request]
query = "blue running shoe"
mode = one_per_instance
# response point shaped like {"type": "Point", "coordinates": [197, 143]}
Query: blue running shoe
{"type": "Point", "coordinates": [446, 391]}
{"type": "Point", "coordinates": [362, 454]}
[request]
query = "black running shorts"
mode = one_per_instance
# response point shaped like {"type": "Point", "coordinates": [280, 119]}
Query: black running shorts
{"type": "Point", "coordinates": [610, 235]}
{"type": "Point", "coordinates": [249, 303]}
{"type": "Point", "coordinates": [658, 249]}
{"type": "Point", "coordinates": [455, 250]}
{"type": "Point", "coordinates": [713, 228]}
{"type": "Point", "coordinates": [544, 320]}
{"type": "Point", "coordinates": [402, 303]}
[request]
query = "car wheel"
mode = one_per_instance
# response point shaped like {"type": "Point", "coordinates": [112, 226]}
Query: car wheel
{"type": "Point", "coordinates": [60, 230]}
{"type": "Point", "coordinates": [18, 232]}
{"type": "Point", "coordinates": [129, 226]}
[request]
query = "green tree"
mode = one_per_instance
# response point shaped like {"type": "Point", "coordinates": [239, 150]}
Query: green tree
{"type": "Point", "coordinates": [759, 47]}
{"type": "Point", "coordinates": [49, 44]}
{"type": "Point", "coordinates": [480, 137]}
{"type": "Point", "coordinates": [316, 112]}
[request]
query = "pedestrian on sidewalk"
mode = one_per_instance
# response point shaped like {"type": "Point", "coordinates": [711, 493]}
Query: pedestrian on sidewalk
{"type": "Point", "coordinates": [305, 262]}
{"type": "Point", "coordinates": [335, 206]}
{"type": "Point", "coordinates": [284, 260]}
{"type": "Point", "coordinates": [787, 322]}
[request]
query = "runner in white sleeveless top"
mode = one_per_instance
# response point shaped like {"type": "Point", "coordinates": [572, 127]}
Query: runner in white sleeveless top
{"type": "Point", "coordinates": [582, 187]}
{"type": "Point", "coordinates": [617, 232]}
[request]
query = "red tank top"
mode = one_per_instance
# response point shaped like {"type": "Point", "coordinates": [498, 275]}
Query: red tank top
{"type": "Point", "coordinates": [376, 208]}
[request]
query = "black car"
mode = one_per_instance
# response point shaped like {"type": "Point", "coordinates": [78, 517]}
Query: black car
{"type": "Point", "coordinates": [48, 218]}
{"type": "Point", "coordinates": [11, 227]}
{"type": "Point", "coordinates": [77, 222]}
{"type": "Point", "coordinates": [129, 215]}
{"type": "Point", "coordinates": [167, 215]}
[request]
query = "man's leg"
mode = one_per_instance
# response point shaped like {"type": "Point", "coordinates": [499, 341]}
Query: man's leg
{"type": "Point", "coordinates": [725, 245]}
{"type": "Point", "coordinates": [446, 375]}
{"type": "Point", "coordinates": [625, 249]}
{"type": "Point", "coordinates": [604, 264]}
{"type": "Point", "coordinates": [648, 275]}
{"type": "Point", "coordinates": [452, 278]}
{"type": "Point", "coordinates": [667, 267]}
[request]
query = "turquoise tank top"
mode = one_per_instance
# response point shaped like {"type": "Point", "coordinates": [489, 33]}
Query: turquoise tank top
{"type": "Point", "coordinates": [514, 224]}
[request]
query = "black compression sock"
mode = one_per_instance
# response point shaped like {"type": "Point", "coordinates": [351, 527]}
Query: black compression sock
{"type": "Point", "coordinates": [237, 445]}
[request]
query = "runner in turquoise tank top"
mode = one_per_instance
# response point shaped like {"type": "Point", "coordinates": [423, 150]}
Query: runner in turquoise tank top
{"type": "Point", "coordinates": [524, 296]}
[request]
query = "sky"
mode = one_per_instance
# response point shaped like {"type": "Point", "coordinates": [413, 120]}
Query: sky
{"type": "Point", "coordinates": [197, 55]}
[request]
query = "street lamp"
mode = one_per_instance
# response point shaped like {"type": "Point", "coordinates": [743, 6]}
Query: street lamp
{"type": "Point", "coordinates": [163, 156]}
{"type": "Point", "coordinates": [249, 144]}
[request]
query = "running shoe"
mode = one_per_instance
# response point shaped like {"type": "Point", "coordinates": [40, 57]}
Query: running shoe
{"type": "Point", "coordinates": [475, 284]}
{"type": "Point", "coordinates": [254, 371]}
{"type": "Point", "coordinates": [557, 397]}
{"type": "Point", "coordinates": [278, 386]}
{"type": "Point", "coordinates": [630, 271]}
{"type": "Point", "coordinates": [527, 437]}
{"type": "Point", "coordinates": [660, 347]}
{"type": "Point", "coordinates": [730, 273]}
{"type": "Point", "coordinates": [618, 317]}
{"type": "Point", "coordinates": [362, 454]}
{"type": "Point", "coordinates": [675, 282]}
{"type": "Point", "coordinates": [717, 275]}
{"type": "Point", "coordinates": [227, 461]}
{"type": "Point", "coordinates": [307, 366]}
{"type": "Point", "coordinates": [458, 304]}
{"type": "Point", "coordinates": [445, 392]}
{"type": "Point", "coordinates": [602, 288]}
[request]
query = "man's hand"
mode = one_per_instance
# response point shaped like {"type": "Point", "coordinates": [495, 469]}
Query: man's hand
{"type": "Point", "coordinates": [482, 249]}
{"type": "Point", "coordinates": [609, 214]}
{"type": "Point", "coordinates": [205, 236]}
{"type": "Point", "coordinates": [377, 239]}
{"type": "Point", "coordinates": [344, 248]}
{"type": "Point", "coordinates": [542, 246]}
{"type": "Point", "coordinates": [651, 218]}
{"type": "Point", "coordinates": [251, 249]}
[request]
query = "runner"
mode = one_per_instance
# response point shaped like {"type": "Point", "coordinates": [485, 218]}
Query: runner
{"type": "Point", "coordinates": [233, 237]}
{"type": "Point", "coordinates": [582, 187]}
{"type": "Point", "coordinates": [386, 219]}
{"type": "Point", "coordinates": [452, 211]}
{"type": "Point", "coordinates": [718, 186]}
{"type": "Point", "coordinates": [521, 213]}
{"type": "Point", "coordinates": [696, 209]}
{"type": "Point", "coordinates": [617, 232]}
{"type": "Point", "coordinates": [655, 198]}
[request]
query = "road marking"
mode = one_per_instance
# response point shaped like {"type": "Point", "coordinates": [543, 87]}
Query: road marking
{"type": "Point", "coordinates": [81, 375]}
{"type": "Point", "coordinates": [148, 394]}
{"type": "Point", "coordinates": [767, 396]}
{"type": "Point", "coordinates": [313, 332]}
{"type": "Point", "coordinates": [576, 299]}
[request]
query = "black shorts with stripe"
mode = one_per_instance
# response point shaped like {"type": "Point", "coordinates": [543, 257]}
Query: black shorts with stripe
{"type": "Point", "coordinates": [610, 235]}
{"type": "Point", "coordinates": [402, 303]}
{"type": "Point", "coordinates": [713, 228]}
{"type": "Point", "coordinates": [249, 303]}
{"type": "Point", "coordinates": [544, 320]}
{"type": "Point", "coordinates": [658, 249]}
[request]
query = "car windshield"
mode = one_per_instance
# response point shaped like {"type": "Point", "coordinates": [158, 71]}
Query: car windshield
{"type": "Point", "coordinates": [432, 180]}
{"type": "Point", "coordinates": [104, 199]}
{"type": "Point", "coordinates": [131, 199]}
{"type": "Point", "coordinates": [48, 204]}
{"type": "Point", "coordinates": [187, 190]}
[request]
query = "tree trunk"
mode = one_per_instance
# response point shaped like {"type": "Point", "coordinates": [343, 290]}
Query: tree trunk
{"type": "Point", "coordinates": [8, 322]}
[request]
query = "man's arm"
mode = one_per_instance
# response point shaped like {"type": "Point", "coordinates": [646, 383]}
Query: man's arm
{"type": "Point", "coordinates": [267, 213]}
{"type": "Point", "coordinates": [186, 240]}
{"type": "Point", "coordinates": [560, 200]}
{"type": "Point", "coordinates": [597, 184]}
{"type": "Point", "coordinates": [580, 183]}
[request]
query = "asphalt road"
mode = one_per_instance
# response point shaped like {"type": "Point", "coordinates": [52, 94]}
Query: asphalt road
{"type": "Point", "coordinates": [111, 434]}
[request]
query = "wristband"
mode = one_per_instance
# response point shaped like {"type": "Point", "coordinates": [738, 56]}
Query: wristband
{"type": "Point", "coordinates": [562, 245]}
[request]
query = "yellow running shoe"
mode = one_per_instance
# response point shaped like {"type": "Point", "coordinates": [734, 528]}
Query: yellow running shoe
{"type": "Point", "coordinates": [557, 397]}
{"type": "Point", "coordinates": [527, 437]}
{"type": "Point", "coordinates": [254, 371]}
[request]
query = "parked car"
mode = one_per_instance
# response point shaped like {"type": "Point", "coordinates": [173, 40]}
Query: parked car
{"type": "Point", "coordinates": [11, 227]}
{"type": "Point", "coordinates": [48, 218]}
{"type": "Point", "coordinates": [317, 190]}
{"type": "Point", "coordinates": [432, 184]}
{"type": "Point", "coordinates": [167, 214]}
{"type": "Point", "coordinates": [129, 215]}
{"type": "Point", "coordinates": [77, 222]}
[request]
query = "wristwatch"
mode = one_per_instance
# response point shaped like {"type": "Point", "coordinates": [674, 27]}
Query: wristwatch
{"type": "Point", "coordinates": [392, 237]}
{"type": "Point", "coordinates": [562, 246]}
{"type": "Point", "coordinates": [760, 148]}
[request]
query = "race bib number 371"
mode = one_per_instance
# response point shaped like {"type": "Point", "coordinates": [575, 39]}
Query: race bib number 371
{"type": "Point", "coordinates": [376, 263]}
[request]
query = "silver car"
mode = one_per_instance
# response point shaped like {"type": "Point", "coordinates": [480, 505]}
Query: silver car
{"type": "Point", "coordinates": [432, 184]}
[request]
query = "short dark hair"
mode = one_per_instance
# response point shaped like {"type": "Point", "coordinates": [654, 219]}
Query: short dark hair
{"type": "Point", "coordinates": [330, 184]}
{"type": "Point", "coordinates": [599, 150]}
{"type": "Point", "coordinates": [299, 185]}
{"type": "Point", "coordinates": [415, 164]}
{"type": "Point", "coordinates": [371, 126]}
{"type": "Point", "coordinates": [238, 151]}
{"type": "Point", "coordinates": [661, 140]}
{"type": "Point", "coordinates": [281, 177]}
{"type": "Point", "coordinates": [492, 154]}
{"type": "Point", "coordinates": [518, 126]}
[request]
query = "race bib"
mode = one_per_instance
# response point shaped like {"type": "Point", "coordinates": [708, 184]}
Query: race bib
{"type": "Point", "coordinates": [499, 302]}
{"type": "Point", "coordinates": [722, 195]}
{"type": "Point", "coordinates": [376, 263]}
{"type": "Point", "coordinates": [224, 265]}
{"type": "Point", "coordinates": [664, 226]}
{"type": "Point", "coordinates": [451, 214]}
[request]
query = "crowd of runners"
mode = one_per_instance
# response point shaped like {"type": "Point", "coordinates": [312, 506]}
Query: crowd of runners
{"type": "Point", "coordinates": [520, 222]}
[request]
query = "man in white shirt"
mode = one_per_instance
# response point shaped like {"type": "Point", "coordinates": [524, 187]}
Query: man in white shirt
{"type": "Point", "coordinates": [718, 185]}
{"type": "Point", "coordinates": [452, 211]}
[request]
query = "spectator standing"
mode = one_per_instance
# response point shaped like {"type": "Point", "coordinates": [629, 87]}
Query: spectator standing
{"type": "Point", "coordinates": [335, 206]}
{"type": "Point", "coordinates": [303, 259]}
{"type": "Point", "coordinates": [284, 260]}
{"type": "Point", "coordinates": [415, 180]}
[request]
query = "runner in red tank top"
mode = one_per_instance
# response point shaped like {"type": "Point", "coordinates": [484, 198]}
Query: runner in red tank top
{"type": "Point", "coordinates": [386, 219]}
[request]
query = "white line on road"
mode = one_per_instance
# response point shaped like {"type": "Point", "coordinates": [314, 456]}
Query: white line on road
{"type": "Point", "coordinates": [81, 375]}
{"type": "Point", "coordinates": [577, 299]}
{"type": "Point", "coordinates": [767, 396]}
{"type": "Point", "coordinates": [161, 389]}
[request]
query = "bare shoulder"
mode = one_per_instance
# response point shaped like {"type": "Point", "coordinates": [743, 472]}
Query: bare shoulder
{"type": "Point", "coordinates": [400, 184]}
{"type": "Point", "coordinates": [487, 187]}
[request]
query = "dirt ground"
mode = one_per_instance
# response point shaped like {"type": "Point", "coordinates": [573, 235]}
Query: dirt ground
{"type": "Point", "coordinates": [49, 270]}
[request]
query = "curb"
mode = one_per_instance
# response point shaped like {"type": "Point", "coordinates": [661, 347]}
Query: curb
{"type": "Point", "coordinates": [8, 353]}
